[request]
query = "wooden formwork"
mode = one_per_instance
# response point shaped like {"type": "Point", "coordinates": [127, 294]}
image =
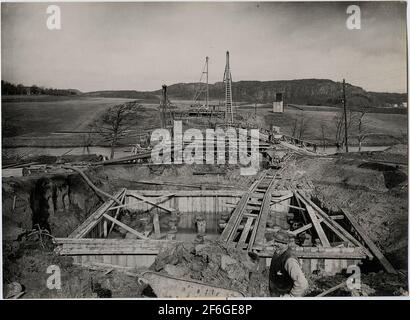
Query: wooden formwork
{"type": "Point", "coordinates": [88, 244]}
{"type": "Point", "coordinates": [338, 244]}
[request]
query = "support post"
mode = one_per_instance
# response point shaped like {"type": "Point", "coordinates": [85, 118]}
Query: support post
{"type": "Point", "coordinates": [345, 114]}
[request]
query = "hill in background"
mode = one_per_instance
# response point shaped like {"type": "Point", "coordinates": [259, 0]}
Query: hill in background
{"type": "Point", "coordinates": [304, 91]}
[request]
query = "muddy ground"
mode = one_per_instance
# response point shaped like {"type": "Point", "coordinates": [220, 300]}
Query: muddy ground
{"type": "Point", "coordinates": [375, 194]}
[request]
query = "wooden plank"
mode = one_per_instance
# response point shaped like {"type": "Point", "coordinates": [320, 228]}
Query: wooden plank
{"type": "Point", "coordinates": [87, 246]}
{"type": "Point", "coordinates": [337, 217]}
{"type": "Point", "coordinates": [282, 198]}
{"type": "Point", "coordinates": [317, 226]}
{"type": "Point", "coordinates": [245, 232]}
{"type": "Point", "coordinates": [258, 234]}
{"type": "Point", "coordinates": [309, 225]}
{"type": "Point", "coordinates": [124, 226]}
{"type": "Point", "coordinates": [233, 220]}
{"type": "Point", "coordinates": [135, 195]}
{"type": "Point", "coordinates": [230, 230]}
{"type": "Point", "coordinates": [314, 253]}
{"type": "Point", "coordinates": [94, 218]}
{"type": "Point", "coordinates": [294, 207]}
{"type": "Point", "coordinates": [301, 229]}
{"type": "Point", "coordinates": [105, 229]}
{"type": "Point", "coordinates": [370, 244]}
{"type": "Point", "coordinates": [188, 193]}
{"type": "Point", "coordinates": [117, 213]}
{"type": "Point", "coordinates": [333, 225]}
{"type": "Point", "coordinates": [158, 200]}
{"type": "Point", "coordinates": [250, 215]}
{"type": "Point", "coordinates": [339, 286]}
{"type": "Point", "coordinates": [155, 221]}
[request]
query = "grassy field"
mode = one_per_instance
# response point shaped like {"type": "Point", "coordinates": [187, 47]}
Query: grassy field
{"type": "Point", "coordinates": [383, 128]}
{"type": "Point", "coordinates": [43, 115]}
{"type": "Point", "coordinates": [31, 120]}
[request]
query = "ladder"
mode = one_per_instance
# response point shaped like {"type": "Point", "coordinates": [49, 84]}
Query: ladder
{"type": "Point", "coordinates": [228, 91]}
{"type": "Point", "coordinates": [247, 223]}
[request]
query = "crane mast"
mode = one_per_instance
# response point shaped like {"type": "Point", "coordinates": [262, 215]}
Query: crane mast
{"type": "Point", "coordinates": [228, 91]}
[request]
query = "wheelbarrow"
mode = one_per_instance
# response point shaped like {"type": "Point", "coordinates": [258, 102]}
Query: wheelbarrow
{"type": "Point", "coordinates": [165, 286]}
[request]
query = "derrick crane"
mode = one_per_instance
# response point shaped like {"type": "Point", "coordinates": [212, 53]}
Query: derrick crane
{"type": "Point", "coordinates": [228, 91]}
{"type": "Point", "coordinates": [203, 90]}
{"type": "Point", "coordinates": [166, 115]}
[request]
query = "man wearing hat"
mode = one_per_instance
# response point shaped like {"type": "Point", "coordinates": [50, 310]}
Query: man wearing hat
{"type": "Point", "coordinates": [286, 278]}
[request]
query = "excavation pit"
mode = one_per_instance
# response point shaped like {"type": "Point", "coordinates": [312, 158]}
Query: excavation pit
{"type": "Point", "coordinates": [131, 234]}
{"type": "Point", "coordinates": [130, 231]}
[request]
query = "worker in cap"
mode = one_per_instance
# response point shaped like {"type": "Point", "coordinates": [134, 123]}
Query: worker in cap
{"type": "Point", "coordinates": [286, 278]}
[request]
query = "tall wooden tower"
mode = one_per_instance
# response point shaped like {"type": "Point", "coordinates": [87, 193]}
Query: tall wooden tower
{"type": "Point", "coordinates": [228, 91]}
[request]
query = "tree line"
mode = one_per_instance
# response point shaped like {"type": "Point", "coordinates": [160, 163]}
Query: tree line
{"type": "Point", "coordinates": [8, 88]}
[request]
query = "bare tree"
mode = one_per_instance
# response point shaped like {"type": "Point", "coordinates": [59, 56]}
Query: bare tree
{"type": "Point", "coordinates": [339, 121]}
{"type": "Point", "coordinates": [116, 122]}
{"type": "Point", "coordinates": [295, 126]}
{"type": "Point", "coordinates": [323, 129]}
{"type": "Point", "coordinates": [87, 143]}
{"type": "Point", "coordinates": [361, 129]}
{"type": "Point", "coordinates": [302, 126]}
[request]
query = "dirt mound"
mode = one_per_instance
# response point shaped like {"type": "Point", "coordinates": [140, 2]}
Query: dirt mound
{"type": "Point", "coordinates": [211, 176]}
{"type": "Point", "coordinates": [28, 264]}
{"type": "Point", "coordinates": [213, 264]}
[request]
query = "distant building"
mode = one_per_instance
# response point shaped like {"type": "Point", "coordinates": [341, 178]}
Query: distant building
{"type": "Point", "coordinates": [278, 103]}
{"type": "Point", "coordinates": [276, 129]}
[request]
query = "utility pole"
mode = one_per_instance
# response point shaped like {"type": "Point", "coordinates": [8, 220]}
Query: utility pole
{"type": "Point", "coordinates": [345, 113]}
{"type": "Point", "coordinates": [207, 87]}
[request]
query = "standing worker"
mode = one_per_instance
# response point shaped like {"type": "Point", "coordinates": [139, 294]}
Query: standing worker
{"type": "Point", "coordinates": [286, 278]}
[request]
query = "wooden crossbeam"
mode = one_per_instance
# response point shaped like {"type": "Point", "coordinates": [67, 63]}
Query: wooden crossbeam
{"type": "Point", "coordinates": [294, 207]}
{"type": "Point", "coordinates": [314, 253]}
{"type": "Point", "coordinates": [333, 225]}
{"type": "Point", "coordinates": [245, 232]}
{"type": "Point", "coordinates": [116, 214]}
{"type": "Point", "coordinates": [301, 229]}
{"type": "Point", "coordinates": [144, 199]}
{"type": "Point", "coordinates": [124, 226]}
{"type": "Point", "coordinates": [157, 200]}
{"type": "Point", "coordinates": [282, 198]}
{"type": "Point", "coordinates": [370, 244]}
{"type": "Point", "coordinates": [94, 218]}
{"type": "Point", "coordinates": [318, 228]}
{"type": "Point", "coordinates": [71, 246]}
{"type": "Point", "coordinates": [309, 225]}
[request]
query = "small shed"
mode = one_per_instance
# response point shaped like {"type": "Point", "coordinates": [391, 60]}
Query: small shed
{"type": "Point", "coordinates": [278, 103]}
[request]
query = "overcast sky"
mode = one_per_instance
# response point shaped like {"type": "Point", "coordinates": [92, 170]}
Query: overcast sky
{"type": "Point", "coordinates": [104, 46]}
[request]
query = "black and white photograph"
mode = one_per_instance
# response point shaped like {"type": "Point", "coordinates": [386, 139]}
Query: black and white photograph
{"type": "Point", "coordinates": [204, 150]}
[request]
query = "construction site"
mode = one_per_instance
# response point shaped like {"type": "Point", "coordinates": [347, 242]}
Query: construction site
{"type": "Point", "coordinates": [129, 227]}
